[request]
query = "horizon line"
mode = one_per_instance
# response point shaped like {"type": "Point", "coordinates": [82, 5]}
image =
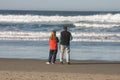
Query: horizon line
{"type": "Point", "coordinates": [60, 10]}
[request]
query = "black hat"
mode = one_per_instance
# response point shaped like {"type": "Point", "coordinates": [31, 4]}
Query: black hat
{"type": "Point", "coordinates": [53, 31]}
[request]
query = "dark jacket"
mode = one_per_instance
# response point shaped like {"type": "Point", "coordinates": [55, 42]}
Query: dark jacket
{"type": "Point", "coordinates": [65, 38]}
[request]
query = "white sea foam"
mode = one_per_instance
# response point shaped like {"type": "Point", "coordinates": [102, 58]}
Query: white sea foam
{"type": "Point", "coordinates": [8, 35]}
{"type": "Point", "coordinates": [9, 32]}
{"type": "Point", "coordinates": [95, 25]}
{"type": "Point", "coordinates": [43, 36]}
{"type": "Point", "coordinates": [104, 19]}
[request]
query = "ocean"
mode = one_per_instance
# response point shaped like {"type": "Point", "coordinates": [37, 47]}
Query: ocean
{"type": "Point", "coordinates": [25, 34]}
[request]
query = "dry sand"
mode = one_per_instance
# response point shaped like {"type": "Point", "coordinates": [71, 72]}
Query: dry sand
{"type": "Point", "coordinates": [18, 69]}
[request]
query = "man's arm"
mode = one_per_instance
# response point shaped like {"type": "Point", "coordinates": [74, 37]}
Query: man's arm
{"type": "Point", "coordinates": [71, 37]}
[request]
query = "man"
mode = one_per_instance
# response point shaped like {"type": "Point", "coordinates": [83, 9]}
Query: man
{"type": "Point", "coordinates": [65, 37]}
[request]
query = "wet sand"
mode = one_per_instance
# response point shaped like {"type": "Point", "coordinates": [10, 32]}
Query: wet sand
{"type": "Point", "coordinates": [29, 69]}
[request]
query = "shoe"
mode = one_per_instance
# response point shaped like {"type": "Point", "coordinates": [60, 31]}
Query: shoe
{"type": "Point", "coordinates": [61, 62]}
{"type": "Point", "coordinates": [68, 62]}
{"type": "Point", "coordinates": [53, 63]}
{"type": "Point", "coordinates": [47, 62]}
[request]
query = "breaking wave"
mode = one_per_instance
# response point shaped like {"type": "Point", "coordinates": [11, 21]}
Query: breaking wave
{"type": "Point", "coordinates": [77, 36]}
{"type": "Point", "coordinates": [97, 27]}
{"type": "Point", "coordinates": [101, 20]}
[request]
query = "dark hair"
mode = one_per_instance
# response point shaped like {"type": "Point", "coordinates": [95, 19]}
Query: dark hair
{"type": "Point", "coordinates": [65, 27]}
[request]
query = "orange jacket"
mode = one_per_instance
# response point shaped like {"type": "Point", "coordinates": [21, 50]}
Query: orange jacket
{"type": "Point", "coordinates": [53, 44]}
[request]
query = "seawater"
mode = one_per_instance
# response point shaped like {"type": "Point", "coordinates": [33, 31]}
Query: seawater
{"type": "Point", "coordinates": [106, 51]}
{"type": "Point", "coordinates": [24, 34]}
{"type": "Point", "coordinates": [36, 25]}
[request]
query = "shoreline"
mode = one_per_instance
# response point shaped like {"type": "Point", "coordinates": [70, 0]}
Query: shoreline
{"type": "Point", "coordinates": [31, 69]}
{"type": "Point", "coordinates": [76, 66]}
{"type": "Point", "coordinates": [79, 50]}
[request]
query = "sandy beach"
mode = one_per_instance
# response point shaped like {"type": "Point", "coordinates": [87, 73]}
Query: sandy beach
{"type": "Point", "coordinates": [29, 69]}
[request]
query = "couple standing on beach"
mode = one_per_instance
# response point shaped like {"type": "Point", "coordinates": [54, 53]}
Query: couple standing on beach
{"type": "Point", "coordinates": [65, 37]}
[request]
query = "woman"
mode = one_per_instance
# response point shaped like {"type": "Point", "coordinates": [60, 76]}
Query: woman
{"type": "Point", "coordinates": [53, 41]}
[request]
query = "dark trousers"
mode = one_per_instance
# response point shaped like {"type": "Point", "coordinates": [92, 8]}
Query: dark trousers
{"type": "Point", "coordinates": [52, 56]}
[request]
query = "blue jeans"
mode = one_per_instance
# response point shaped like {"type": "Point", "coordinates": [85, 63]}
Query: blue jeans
{"type": "Point", "coordinates": [52, 56]}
